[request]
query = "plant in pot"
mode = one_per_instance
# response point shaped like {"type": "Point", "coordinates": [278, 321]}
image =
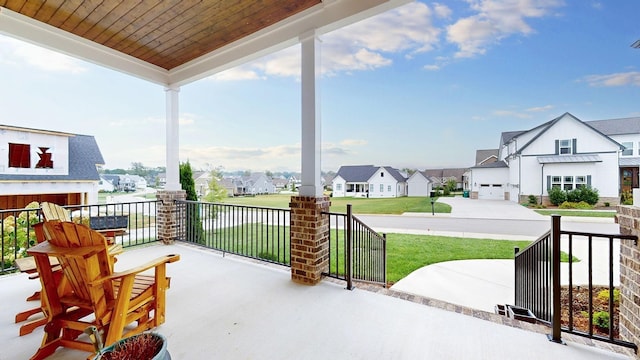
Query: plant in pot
{"type": "Point", "coordinates": [144, 346]}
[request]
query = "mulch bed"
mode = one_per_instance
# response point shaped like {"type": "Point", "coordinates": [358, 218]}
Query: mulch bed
{"type": "Point", "coordinates": [580, 308]}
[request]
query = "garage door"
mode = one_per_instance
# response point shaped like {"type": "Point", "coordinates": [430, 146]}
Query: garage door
{"type": "Point", "coordinates": [491, 192]}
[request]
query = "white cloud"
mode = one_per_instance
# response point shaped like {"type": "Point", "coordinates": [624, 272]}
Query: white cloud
{"type": "Point", "coordinates": [618, 79]}
{"type": "Point", "coordinates": [540, 108]}
{"type": "Point", "coordinates": [16, 53]}
{"type": "Point", "coordinates": [442, 11]}
{"type": "Point", "coordinates": [433, 67]}
{"type": "Point", "coordinates": [493, 21]}
{"type": "Point", "coordinates": [237, 73]}
{"type": "Point", "coordinates": [366, 45]}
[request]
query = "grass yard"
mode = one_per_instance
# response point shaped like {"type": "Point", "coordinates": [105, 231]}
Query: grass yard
{"type": "Point", "coordinates": [583, 213]}
{"type": "Point", "coordinates": [407, 253]}
{"type": "Point", "coordinates": [360, 205]}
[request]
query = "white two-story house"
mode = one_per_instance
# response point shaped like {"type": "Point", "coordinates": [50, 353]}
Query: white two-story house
{"type": "Point", "coordinates": [369, 181]}
{"type": "Point", "coordinates": [41, 165]}
{"type": "Point", "coordinates": [564, 152]}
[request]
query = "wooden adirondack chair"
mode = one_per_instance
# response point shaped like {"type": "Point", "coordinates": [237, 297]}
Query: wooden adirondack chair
{"type": "Point", "coordinates": [52, 211]}
{"type": "Point", "coordinates": [121, 303]}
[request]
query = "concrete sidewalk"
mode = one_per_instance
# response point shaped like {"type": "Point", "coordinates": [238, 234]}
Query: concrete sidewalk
{"type": "Point", "coordinates": [481, 284]}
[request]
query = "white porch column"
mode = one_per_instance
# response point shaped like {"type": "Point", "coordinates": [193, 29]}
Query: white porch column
{"type": "Point", "coordinates": [172, 142]}
{"type": "Point", "coordinates": [310, 50]}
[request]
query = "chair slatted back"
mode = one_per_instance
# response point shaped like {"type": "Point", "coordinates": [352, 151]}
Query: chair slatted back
{"type": "Point", "coordinates": [53, 211]}
{"type": "Point", "coordinates": [81, 268]}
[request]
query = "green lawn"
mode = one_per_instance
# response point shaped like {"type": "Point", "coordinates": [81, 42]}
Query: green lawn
{"type": "Point", "coordinates": [584, 213]}
{"type": "Point", "coordinates": [360, 205]}
{"type": "Point", "coordinates": [407, 253]}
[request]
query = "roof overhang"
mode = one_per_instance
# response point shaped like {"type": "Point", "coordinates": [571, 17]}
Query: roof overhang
{"type": "Point", "coordinates": [316, 20]}
{"type": "Point", "coordinates": [563, 159]}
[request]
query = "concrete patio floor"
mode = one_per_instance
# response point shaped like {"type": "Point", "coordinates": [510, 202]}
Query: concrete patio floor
{"type": "Point", "coordinates": [229, 308]}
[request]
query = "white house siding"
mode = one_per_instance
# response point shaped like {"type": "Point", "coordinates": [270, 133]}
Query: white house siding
{"type": "Point", "coordinates": [58, 147]}
{"type": "Point", "coordinates": [339, 186]}
{"type": "Point", "coordinates": [604, 174]}
{"type": "Point", "coordinates": [388, 183]}
{"type": "Point", "coordinates": [418, 185]}
{"type": "Point", "coordinates": [489, 183]}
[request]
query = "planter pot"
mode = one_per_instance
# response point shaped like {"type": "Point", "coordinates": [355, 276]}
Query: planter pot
{"type": "Point", "coordinates": [520, 313]}
{"type": "Point", "coordinates": [161, 354]}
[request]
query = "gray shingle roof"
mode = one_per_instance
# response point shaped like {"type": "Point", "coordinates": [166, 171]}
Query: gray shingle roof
{"type": "Point", "coordinates": [84, 155]}
{"type": "Point", "coordinates": [496, 164]}
{"type": "Point", "coordinates": [617, 126]}
{"type": "Point", "coordinates": [482, 155]}
{"type": "Point", "coordinates": [356, 173]}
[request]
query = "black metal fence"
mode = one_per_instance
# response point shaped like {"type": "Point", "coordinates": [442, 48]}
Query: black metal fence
{"type": "Point", "coordinates": [255, 232]}
{"type": "Point", "coordinates": [573, 290]}
{"type": "Point", "coordinates": [353, 242]}
{"type": "Point", "coordinates": [264, 233]}
{"type": "Point", "coordinates": [135, 222]}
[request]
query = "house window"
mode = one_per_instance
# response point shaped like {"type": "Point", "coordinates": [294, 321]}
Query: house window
{"type": "Point", "coordinates": [19, 155]}
{"type": "Point", "coordinates": [581, 181]}
{"type": "Point", "coordinates": [338, 187]}
{"type": "Point", "coordinates": [389, 188]}
{"type": "Point", "coordinates": [381, 187]}
{"type": "Point", "coordinates": [556, 182]}
{"type": "Point", "coordinates": [370, 187]}
{"type": "Point", "coordinates": [565, 147]}
{"type": "Point", "coordinates": [628, 148]}
{"type": "Point", "coordinates": [381, 174]}
{"type": "Point", "coordinates": [568, 183]}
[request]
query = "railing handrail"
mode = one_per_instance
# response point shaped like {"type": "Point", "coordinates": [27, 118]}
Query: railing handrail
{"type": "Point", "coordinates": [534, 243]}
{"type": "Point", "coordinates": [233, 205]}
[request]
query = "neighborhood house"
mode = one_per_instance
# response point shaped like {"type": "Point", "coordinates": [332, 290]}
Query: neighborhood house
{"type": "Point", "coordinates": [566, 153]}
{"type": "Point", "coordinates": [369, 181]}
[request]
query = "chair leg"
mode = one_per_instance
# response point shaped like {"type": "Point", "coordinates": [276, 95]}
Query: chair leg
{"type": "Point", "coordinates": [32, 325]}
{"type": "Point", "coordinates": [22, 316]}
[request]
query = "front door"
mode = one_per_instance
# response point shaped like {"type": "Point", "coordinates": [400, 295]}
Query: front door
{"type": "Point", "coordinates": [628, 178]}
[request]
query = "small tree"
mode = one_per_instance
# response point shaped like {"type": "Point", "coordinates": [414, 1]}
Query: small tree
{"type": "Point", "coordinates": [450, 185]}
{"type": "Point", "coordinates": [557, 196]}
{"type": "Point", "coordinates": [194, 230]}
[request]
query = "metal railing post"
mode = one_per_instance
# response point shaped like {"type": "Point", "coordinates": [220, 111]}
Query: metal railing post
{"type": "Point", "coordinates": [349, 265]}
{"type": "Point", "coordinates": [556, 331]}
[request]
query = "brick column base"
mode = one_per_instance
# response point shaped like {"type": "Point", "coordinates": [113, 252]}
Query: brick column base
{"type": "Point", "coordinates": [309, 238]}
{"type": "Point", "coordinates": [628, 217]}
{"type": "Point", "coordinates": [167, 222]}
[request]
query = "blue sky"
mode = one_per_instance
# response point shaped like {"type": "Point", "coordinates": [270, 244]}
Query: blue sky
{"type": "Point", "coordinates": [421, 86]}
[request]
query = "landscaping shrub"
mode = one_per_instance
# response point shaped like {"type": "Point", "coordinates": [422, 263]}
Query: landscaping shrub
{"type": "Point", "coordinates": [533, 200]}
{"type": "Point", "coordinates": [589, 195]}
{"type": "Point", "coordinates": [575, 205]}
{"type": "Point", "coordinates": [626, 198]}
{"type": "Point", "coordinates": [604, 295]}
{"type": "Point", "coordinates": [601, 319]}
{"type": "Point", "coordinates": [557, 196]}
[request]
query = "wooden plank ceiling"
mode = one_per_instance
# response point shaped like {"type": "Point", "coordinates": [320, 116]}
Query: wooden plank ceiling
{"type": "Point", "coordinates": [166, 33]}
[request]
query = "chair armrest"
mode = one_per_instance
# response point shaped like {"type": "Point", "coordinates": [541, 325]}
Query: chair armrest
{"type": "Point", "coordinates": [51, 250]}
{"type": "Point", "coordinates": [138, 269]}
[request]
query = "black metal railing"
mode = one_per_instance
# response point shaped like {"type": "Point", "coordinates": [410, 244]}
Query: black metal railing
{"type": "Point", "coordinates": [555, 291]}
{"type": "Point", "coordinates": [353, 242]}
{"type": "Point", "coordinates": [17, 233]}
{"type": "Point", "coordinates": [255, 232]}
{"type": "Point", "coordinates": [533, 278]}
